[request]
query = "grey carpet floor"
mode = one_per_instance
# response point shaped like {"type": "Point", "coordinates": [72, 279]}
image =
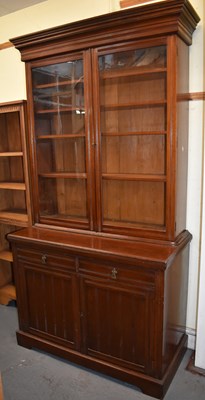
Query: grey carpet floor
{"type": "Point", "coordinates": [34, 375]}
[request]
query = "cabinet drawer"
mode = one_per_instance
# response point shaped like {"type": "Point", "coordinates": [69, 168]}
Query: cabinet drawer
{"type": "Point", "coordinates": [45, 257]}
{"type": "Point", "coordinates": [117, 272]}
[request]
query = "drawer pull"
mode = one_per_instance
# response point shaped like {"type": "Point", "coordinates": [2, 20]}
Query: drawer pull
{"type": "Point", "coordinates": [114, 273]}
{"type": "Point", "coordinates": [44, 259]}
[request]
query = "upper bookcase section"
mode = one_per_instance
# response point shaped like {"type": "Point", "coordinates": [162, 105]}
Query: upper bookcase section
{"type": "Point", "coordinates": [152, 20]}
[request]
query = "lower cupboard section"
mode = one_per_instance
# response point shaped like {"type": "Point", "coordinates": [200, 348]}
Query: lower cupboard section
{"type": "Point", "coordinates": [124, 318]}
{"type": "Point", "coordinates": [51, 307]}
{"type": "Point", "coordinates": [116, 323]}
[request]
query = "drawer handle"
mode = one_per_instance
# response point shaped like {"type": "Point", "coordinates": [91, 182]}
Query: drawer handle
{"type": "Point", "coordinates": [44, 259]}
{"type": "Point", "coordinates": [114, 273]}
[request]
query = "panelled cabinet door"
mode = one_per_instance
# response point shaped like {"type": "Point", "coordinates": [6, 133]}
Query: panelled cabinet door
{"type": "Point", "coordinates": [117, 318]}
{"type": "Point", "coordinates": [60, 98]}
{"type": "Point", "coordinates": [47, 298]}
{"type": "Point", "coordinates": [132, 132]}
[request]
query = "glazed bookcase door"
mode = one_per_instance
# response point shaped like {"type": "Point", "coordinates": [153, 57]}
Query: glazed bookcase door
{"type": "Point", "coordinates": [132, 132]}
{"type": "Point", "coordinates": [61, 135]}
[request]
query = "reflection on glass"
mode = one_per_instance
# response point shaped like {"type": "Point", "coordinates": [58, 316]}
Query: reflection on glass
{"type": "Point", "coordinates": [59, 87]}
{"type": "Point", "coordinates": [59, 117]}
{"type": "Point", "coordinates": [151, 56]}
{"type": "Point", "coordinates": [61, 155]}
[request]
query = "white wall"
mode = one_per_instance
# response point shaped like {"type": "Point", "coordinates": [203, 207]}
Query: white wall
{"type": "Point", "coordinates": [12, 87]}
{"type": "Point", "coordinates": [41, 16]}
{"type": "Point", "coordinates": [200, 348]}
{"type": "Point", "coordinates": [194, 196]}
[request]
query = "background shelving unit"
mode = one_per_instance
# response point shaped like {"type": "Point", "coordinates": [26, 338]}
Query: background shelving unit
{"type": "Point", "coordinates": [14, 188]}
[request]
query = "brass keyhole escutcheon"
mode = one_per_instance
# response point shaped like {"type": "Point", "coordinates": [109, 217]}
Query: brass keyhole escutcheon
{"type": "Point", "coordinates": [114, 273]}
{"type": "Point", "coordinates": [44, 259]}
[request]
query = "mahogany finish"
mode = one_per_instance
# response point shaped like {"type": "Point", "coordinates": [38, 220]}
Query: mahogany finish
{"type": "Point", "coordinates": [101, 277]}
{"type": "Point", "coordinates": [113, 305]}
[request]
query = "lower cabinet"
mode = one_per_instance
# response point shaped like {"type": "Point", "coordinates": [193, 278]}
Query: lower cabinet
{"type": "Point", "coordinates": [117, 310]}
{"type": "Point", "coordinates": [48, 296]}
{"type": "Point", "coordinates": [121, 315]}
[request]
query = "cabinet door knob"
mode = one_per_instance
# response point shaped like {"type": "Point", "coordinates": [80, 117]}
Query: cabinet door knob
{"type": "Point", "coordinates": [44, 259]}
{"type": "Point", "coordinates": [114, 273]}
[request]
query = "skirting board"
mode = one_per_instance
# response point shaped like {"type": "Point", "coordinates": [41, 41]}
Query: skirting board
{"type": "Point", "coordinates": [191, 338]}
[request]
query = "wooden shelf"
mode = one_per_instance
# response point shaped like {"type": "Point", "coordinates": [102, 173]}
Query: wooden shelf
{"type": "Point", "coordinates": [63, 217]}
{"type": "Point", "coordinates": [7, 293]}
{"type": "Point", "coordinates": [50, 95]}
{"type": "Point", "coordinates": [6, 255]}
{"type": "Point", "coordinates": [15, 217]}
{"type": "Point", "coordinates": [67, 175]}
{"type": "Point", "coordinates": [11, 154]}
{"type": "Point", "coordinates": [110, 223]}
{"type": "Point", "coordinates": [57, 84]}
{"type": "Point", "coordinates": [126, 72]}
{"type": "Point", "coordinates": [142, 104]}
{"type": "Point", "coordinates": [134, 133]}
{"type": "Point", "coordinates": [64, 136]}
{"type": "Point", "coordinates": [61, 109]}
{"type": "Point", "coordinates": [12, 186]}
{"type": "Point", "coordinates": [135, 177]}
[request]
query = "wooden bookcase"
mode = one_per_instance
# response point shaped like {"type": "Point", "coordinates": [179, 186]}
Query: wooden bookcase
{"type": "Point", "coordinates": [14, 189]}
{"type": "Point", "coordinates": [108, 142]}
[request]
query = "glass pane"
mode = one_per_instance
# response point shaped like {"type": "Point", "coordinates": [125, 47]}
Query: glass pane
{"type": "Point", "coordinates": [138, 58]}
{"type": "Point", "coordinates": [133, 203]}
{"type": "Point", "coordinates": [133, 154]}
{"type": "Point", "coordinates": [144, 119]}
{"type": "Point", "coordinates": [61, 155]}
{"type": "Point", "coordinates": [59, 112]}
{"type": "Point", "coordinates": [59, 89]}
{"type": "Point", "coordinates": [133, 126]}
{"type": "Point", "coordinates": [133, 90]}
{"type": "Point", "coordinates": [72, 195]}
